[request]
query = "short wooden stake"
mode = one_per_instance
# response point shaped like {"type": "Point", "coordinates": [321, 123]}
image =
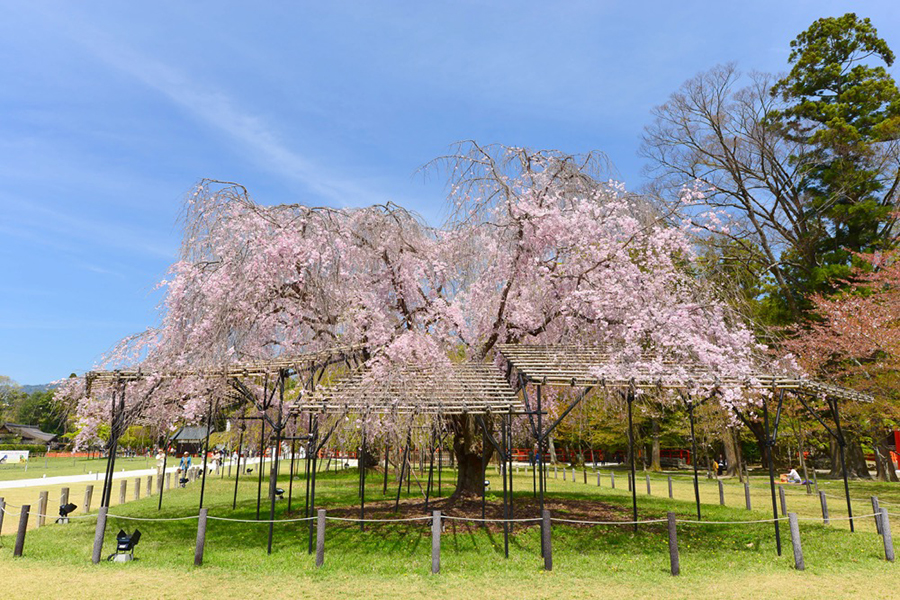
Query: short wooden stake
{"type": "Point", "coordinates": [555, 474]}
{"type": "Point", "coordinates": [201, 537]}
{"type": "Point", "coordinates": [795, 541]}
{"type": "Point", "coordinates": [630, 482]}
{"type": "Point", "coordinates": [886, 535]}
{"type": "Point", "coordinates": [747, 495]}
{"type": "Point", "coordinates": [23, 527]}
{"type": "Point", "coordinates": [721, 493]}
{"type": "Point", "coordinates": [585, 476]}
{"type": "Point", "coordinates": [598, 478]}
{"type": "Point", "coordinates": [88, 493]}
{"type": "Point", "coordinates": [783, 500]}
{"type": "Point", "coordinates": [670, 486]}
{"type": "Point", "coordinates": [674, 562]}
{"type": "Point", "coordinates": [64, 496]}
{"type": "Point", "coordinates": [824, 502]}
{"type": "Point", "coordinates": [168, 481]}
{"type": "Point", "coordinates": [436, 541]}
{"type": "Point", "coordinates": [149, 485]}
{"type": "Point", "coordinates": [545, 536]}
{"type": "Point", "coordinates": [123, 489]}
{"type": "Point", "coordinates": [648, 483]}
{"type": "Point", "coordinates": [2, 513]}
{"type": "Point", "coordinates": [612, 479]}
{"type": "Point", "coordinates": [98, 534]}
{"type": "Point", "coordinates": [137, 488]}
{"type": "Point", "coordinates": [320, 537]}
{"type": "Point", "coordinates": [42, 509]}
{"type": "Point", "coordinates": [876, 510]}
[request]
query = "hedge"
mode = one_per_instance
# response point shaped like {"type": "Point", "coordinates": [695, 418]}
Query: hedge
{"type": "Point", "coordinates": [33, 448]}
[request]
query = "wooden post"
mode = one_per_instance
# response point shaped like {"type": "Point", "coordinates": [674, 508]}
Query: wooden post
{"type": "Point", "coordinates": [98, 534]}
{"type": "Point", "coordinates": [747, 495]}
{"type": "Point", "coordinates": [88, 492]}
{"type": "Point", "coordinates": [137, 488]}
{"type": "Point", "coordinates": [612, 479]}
{"type": "Point", "coordinates": [673, 545]}
{"type": "Point", "coordinates": [436, 541]}
{"type": "Point", "coordinates": [721, 494]}
{"type": "Point", "coordinates": [545, 536]}
{"type": "Point", "coordinates": [783, 500]}
{"type": "Point", "coordinates": [876, 510]}
{"type": "Point", "coordinates": [795, 541]}
{"type": "Point", "coordinates": [886, 535]}
{"type": "Point", "coordinates": [168, 481]}
{"type": "Point", "coordinates": [123, 489]}
{"type": "Point", "coordinates": [149, 485]}
{"type": "Point", "coordinates": [63, 496]}
{"type": "Point", "coordinates": [201, 537]}
{"type": "Point", "coordinates": [648, 483]}
{"type": "Point", "coordinates": [20, 534]}
{"type": "Point", "coordinates": [598, 478]}
{"type": "Point", "coordinates": [824, 503]}
{"type": "Point", "coordinates": [42, 509]}
{"type": "Point", "coordinates": [670, 486]}
{"type": "Point", "coordinates": [320, 537]}
{"type": "Point", "coordinates": [2, 513]}
{"type": "Point", "coordinates": [585, 476]}
{"type": "Point", "coordinates": [555, 474]}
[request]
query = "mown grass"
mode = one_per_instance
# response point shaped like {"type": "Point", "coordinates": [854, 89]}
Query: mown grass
{"type": "Point", "coordinates": [38, 467]}
{"type": "Point", "coordinates": [393, 560]}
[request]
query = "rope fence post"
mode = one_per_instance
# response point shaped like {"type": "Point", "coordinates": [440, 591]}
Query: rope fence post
{"type": "Point", "coordinates": [648, 483]}
{"type": "Point", "coordinates": [783, 500]}
{"type": "Point", "coordinates": [137, 488]}
{"type": "Point", "coordinates": [670, 487]}
{"type": "Point", "coordinates": [612, 479]}
{"type": "Point", "coordinates": [545, 536]}
{"type": "Point", "coordinates": [747, 494]}
{"type": "Point", "coordinates": [585, 476]}
{"type": "Point", "coordinates": [88, 494]}
{"type": "Point", "coordinates": [721, 494]}
{"type": "Point", "coordinates": [123, 489]}
{"type": "Point", "coordinates": [168, 481]}
{"type": "Point", "coordinates": [2, 513]}
{"type": "Point", "coordinates": [98, 534]}
{"type": "Point", "coordinates": [886, 535]}
{"type": "Point", "coordinates": [795, 541]}
{"type": "Point", "coordinates": [201, 537]}
{"type": "Point", "coordinates": [824, 503]}
{"type": "Point", "coordinates": [23, 527]}
{"type": "Point", "coordinates": [598, 478]}
{"type": "Point", "coordinates": [42, 509]}
{"type": "Point", "coordinates": [320, 537]}
{"type": "Point", "coordinates": [877, 512]}
{"type": "Point", "coordinates": [436, 541]}
{"type": "Point", "coordinates": [64, 496]}
{"type": "Point", "coordinates": [674, 562]}
{"type": "Point", "coordinates": [149, 485]}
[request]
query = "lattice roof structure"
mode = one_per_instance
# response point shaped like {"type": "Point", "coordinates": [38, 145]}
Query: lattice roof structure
{"type": "Point", "coordinates": [584, 366]}
{"type": "Point", "coordinates": [461, 388]}
{"type": "Point", "coordinates": [295, 364]}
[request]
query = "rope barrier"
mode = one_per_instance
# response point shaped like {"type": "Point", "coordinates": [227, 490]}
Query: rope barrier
{"type": "Point", "coordinates": [259, 520]}
{"type": "Point", "coordinates": [489, 520]}
{"type": "Point", "coordinates": [112, 516]}
{"type": "Point", "coordinates": [377, 520]}
{"type": "Point", "coordinates": [608, 522]}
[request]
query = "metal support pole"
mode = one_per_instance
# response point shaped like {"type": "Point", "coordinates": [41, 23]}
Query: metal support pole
{"type": "Point", "coordinates": [291, 471]}
{"type": "Point", "coordinates": [361, 463]}
{"type": "Point", "coordinates": [770, 448]}
{"type": "Point", "coordinates": [842, 443]}
{"type": "Point", "coordinates": [387, 453]}
{"type": "Point", "coordinates": [545, 539]}
{"type": "Point", "coordinates": [259, 466]}
{"type": "Point", "coordinates": [237, 475]}
{"type": "Point", "coordinates": [163, 474]}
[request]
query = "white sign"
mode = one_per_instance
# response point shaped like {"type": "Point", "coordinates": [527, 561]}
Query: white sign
{"type": "Point", "coordinates": [8, 457]}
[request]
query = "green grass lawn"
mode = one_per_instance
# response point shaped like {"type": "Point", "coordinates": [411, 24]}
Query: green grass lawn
{"type": "Point", "coordinates": [54, 467]}
{"type": "Point", "coordinates": [393, 560]}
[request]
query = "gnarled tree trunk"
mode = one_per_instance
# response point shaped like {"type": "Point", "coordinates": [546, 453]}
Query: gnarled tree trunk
{"type": "Point", "coordinates": [732, 453]}
{"type": "Point", "coordinates": [854, 458]}
{"type": "Point", "coordinates": [469, 452]}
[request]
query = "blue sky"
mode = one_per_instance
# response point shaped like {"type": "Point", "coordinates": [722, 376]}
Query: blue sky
{"type": "Point", "coordinates": [111, 111]}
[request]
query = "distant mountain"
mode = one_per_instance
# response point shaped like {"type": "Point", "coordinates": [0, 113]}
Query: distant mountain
{"type": "Point", "coordinates": [29, 389]}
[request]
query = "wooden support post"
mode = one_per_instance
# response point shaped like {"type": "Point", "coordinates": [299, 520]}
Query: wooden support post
{"type": "Point", "coordinates": [824, 503]}
{"type": "Point", "coordinates": [149, 485]}
{"type": "Point", "coordinates": [585, 476]}
{"type": "Point", "coordinates": [320, 537]}
{"type": "Point", "coordinates": [555, 474]}
{"type": "Point", "coordinates": [88, 493]}
{"type": "Point", "coordinates": [721, 493]}
{"type": "Point", "coordinates": [201, 537]}
{"type": "Point", "coordinates": [670, 486]}
{"type": "Point", "coordinates": [612, 479]}
{"type": "Point", "coordinates": [545, 536]}
{"type": "Point", "coordinates": [123, 485]}
{"type": "Point", "coordinates": [795, 541]}
{"type": "Point", "coordinates": [20, 534]}
{"type": "Point", "coordinates": [674, 562]}
{"type": "Point", "coordinates": [98, 534]}
{"type": "Point", "coordinates": [747, 495]}
{"type": "Point", "coordinates": [648, 483]}
{"type": "Point", "coordinates": [436, 541]}
{"type": "Point", "coordinates": [168, 481]}
{"type": "Point", "coordinates": [783, 500]}
{"type": "Point", "coordinates": [886, 535]}
{"type": "Point", "coordinates": [2, 513]}
{"type": "Point", "coordinates": [876, 510]}
{"type": "Point", "coordinates": [598, 478]}
{"type": "Point", "coordinates": [64, 496]}
{"type": "Point", "coordinates": [42, 509]}
{"type": "Point", "coordinates": [137, 488]}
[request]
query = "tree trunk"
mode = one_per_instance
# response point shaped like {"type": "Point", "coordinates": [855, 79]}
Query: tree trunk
{"type": "Point", "coordinates": [468, 450]}
{"type": "Point", "coordinates": [854, 458]}
{"type": "Point", "coordinates": [655, 464]}
{"type": "Point", "coordinates": [759, 432]}
{"type": "Point", "coordinates": [552, 451]}
{"type": "Point", "coordinates": [732, 453]}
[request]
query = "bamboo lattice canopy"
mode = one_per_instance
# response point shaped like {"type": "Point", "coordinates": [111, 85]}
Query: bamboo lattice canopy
{"type": "Point", "coordinates": [300, 363]}
{"type": "Point", "coordinates": [460, 388]}
{"type": "Point", "coordinates": [585, 366]}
